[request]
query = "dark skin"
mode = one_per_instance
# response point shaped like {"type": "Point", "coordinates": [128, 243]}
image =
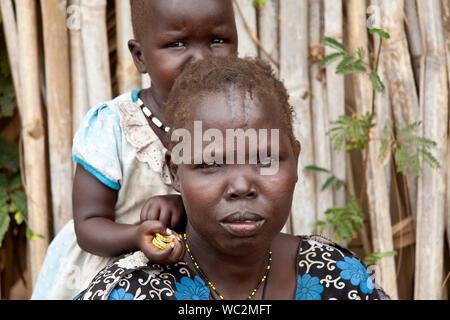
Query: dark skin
{"type": "Point", "coordinates": [175, 33]}
{"type": "Point", "coordinates": [235, 262]}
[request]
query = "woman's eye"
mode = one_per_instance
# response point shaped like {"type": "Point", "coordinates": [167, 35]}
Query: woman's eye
{"type": "Point", "coordinates": [265, 162]}
{"type": "Point", "coordinates": [209, 165]}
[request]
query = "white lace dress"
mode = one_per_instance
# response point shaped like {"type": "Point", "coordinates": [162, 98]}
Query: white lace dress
{"type": "Point", "coordinates": [116, 145]}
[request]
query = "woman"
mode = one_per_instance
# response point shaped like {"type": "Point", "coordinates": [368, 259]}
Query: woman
{"type": "Point", "coordinates": [234, 248]}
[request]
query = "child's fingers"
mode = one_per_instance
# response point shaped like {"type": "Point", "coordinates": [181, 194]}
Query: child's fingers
{"type": "Point", "coordinates": [177, 216]}
{"type": "Point", "coordinates": [165, 216]}
{"type": "Point", "coordinates": [178, 252]}
{"type": "Point", "coordinates": [145, 211]}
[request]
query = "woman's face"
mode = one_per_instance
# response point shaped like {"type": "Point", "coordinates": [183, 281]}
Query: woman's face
{"type": "Point", "coordinates": [233, 207]}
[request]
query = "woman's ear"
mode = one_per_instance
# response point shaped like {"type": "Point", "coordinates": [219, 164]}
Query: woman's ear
{"type": "Point", "coordinates": [136, 52]}
{"type": "Point", "coordinates": [297, 149]}
{"type": "Point", "coordinates": [173, 170]}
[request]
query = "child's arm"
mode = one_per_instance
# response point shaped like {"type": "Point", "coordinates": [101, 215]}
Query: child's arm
{"type": "Point", "coordinates": [93, 213]}
{"type": "Point", "coordinates": [99, 234]}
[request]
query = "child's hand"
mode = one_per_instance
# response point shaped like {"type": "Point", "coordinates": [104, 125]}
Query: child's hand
{"type": "Point", "coordinates": [172, 254]}
{"type": "Point", "coordinates": [167, 209]}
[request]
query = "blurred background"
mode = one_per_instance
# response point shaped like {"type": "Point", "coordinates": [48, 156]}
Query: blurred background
{"type": "Point", "coordinates": [369, 82]}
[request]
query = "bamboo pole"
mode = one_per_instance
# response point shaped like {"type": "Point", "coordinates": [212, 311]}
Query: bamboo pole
{"type": "Point", "coordinates": [403, 91]}
{"type": "Point", "coordinates": [322, 144]}
{"type": "Point", "coordinates": [33, 133]}
{"type": "Point", "coordinates": [245, 19]}
{"type": "Point", "coordinates": [431, 199]}
{"type": "Point", "coordinates": [294, 71]}
{"type": "Point", "coordinates": [127, 74]}
{"type": "Point", "coordinates": [333, 28]}
{"type": "Point", "coordinates": [414, 37]}
{"type": "Point", "coordinates": [12, 45]}
{"type": "Point", "coordinates": [57, 70]}
{"type": "Point", "coordinates": [377, 192]}
{"type": "Point", "coordinates": [96, 52]}
{"type": "Point", "coordinates": [80, 99]}
{"type": "Point", "coordinates": [446, 13]}
{"type": "Point", "coordinates": [269, 27]}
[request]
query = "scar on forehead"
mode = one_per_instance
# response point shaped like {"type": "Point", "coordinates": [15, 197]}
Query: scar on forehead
{"type": "Point", "coordinates": [239, 103]}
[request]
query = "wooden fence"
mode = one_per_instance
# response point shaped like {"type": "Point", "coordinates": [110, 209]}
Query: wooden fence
{"type": "Point", "coordinates": [74, 54]}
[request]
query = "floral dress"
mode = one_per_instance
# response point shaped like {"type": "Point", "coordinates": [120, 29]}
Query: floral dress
{"type": "Point", "coordinates": [326, 271]}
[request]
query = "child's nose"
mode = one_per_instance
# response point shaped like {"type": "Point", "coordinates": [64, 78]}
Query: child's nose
{"type": "Point", "coordinates": [199, 53]}
{"type": "Point", "coordinates": [241, 186]}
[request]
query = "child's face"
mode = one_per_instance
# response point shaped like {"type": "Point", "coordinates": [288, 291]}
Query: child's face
{"type": "Point", "coordinates": [234, 207]}
{"type": "Point", "coordinates": [181, 31]}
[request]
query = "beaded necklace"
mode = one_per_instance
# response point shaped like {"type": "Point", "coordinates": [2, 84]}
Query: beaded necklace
{"type": "Point", "coordinates": [211, 285]}
{"type": "Point", "coordinates": [150, 115]}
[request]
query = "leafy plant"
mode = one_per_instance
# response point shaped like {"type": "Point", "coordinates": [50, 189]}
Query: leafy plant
{"type": "Point", "coordinates": [7, 94]}
{"type": "Point", "coordinates": [408, 148]}
{"type": "Point", "coordinates": [353, 62]}
{"type": "Point", "coordinates": [355, 131]}
{"type": "Point", "coordinates": [13, 200]}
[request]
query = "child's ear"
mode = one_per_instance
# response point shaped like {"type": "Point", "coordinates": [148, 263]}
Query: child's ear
{"type": "Point", "coordinates": [173, 170]}
{"type": "Point", "coordinates": [138, 57]}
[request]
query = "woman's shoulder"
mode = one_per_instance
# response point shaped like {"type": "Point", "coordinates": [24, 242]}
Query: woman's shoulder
{"type": "Point", "coordinates": [327, 270]}
{"type": "Point", "coordinates": [133, 277]}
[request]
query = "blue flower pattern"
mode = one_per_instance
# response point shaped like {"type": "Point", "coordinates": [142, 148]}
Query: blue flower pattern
{"type": "Point", "coordinates": [353, 270]}
{"type": "Point", "coordinates": [188, 289]}
{"type": "Point", "coordinates": [120, 294]}
{"type": "Point", "coordinates": [308, 288]}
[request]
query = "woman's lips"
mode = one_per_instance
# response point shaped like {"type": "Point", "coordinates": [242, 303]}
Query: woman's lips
{"type": "Point", "coordinates": [242, 224]}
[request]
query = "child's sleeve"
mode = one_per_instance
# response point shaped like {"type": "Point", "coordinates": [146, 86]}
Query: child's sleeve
{"type": "Point", "coordinates": [97, 145]}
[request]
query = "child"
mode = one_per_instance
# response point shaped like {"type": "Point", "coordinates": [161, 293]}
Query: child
{"type": "Point", "coordinates": [235, 212]}
{"type": "Point", "coordinates": [120, 148]}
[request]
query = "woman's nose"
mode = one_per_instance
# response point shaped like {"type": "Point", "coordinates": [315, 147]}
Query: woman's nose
{"type": "Point", "coordinates": [241, 187]}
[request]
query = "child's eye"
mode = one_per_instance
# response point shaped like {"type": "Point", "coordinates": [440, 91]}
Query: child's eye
{"type": "Point", "coordinates": [177, 44]}
{"type": "Point", "coordinates": [218, 41]}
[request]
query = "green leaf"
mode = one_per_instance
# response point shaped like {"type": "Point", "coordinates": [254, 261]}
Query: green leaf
{"type": "Point", "coordinates": [376, 82]}
{"type": "Point", "coordinates": [381, 33]}
{"type": "Point", "coordinates": [15, 182]}
{"type": "Point", "coordinates": [9, 156]}
{"type": "Point", "coordinates": [258, 4]}
{"type": "Point", "coordinates": [20, 199]}
{"type": "Point", "coordinates": [330, 58]}
{"type": "Point", "coordinates": [316, 169]}
{"type": "Point", "coordinates": [339, 184]}
{"type": "Point", "coordinates": [3, 190]}
{"type": "Point", "coordinates": [374, 257]}
{"type": "Point", "coordinates": [402, 160]}
{"type": "Point", "coordinates": [4, 224]}
{"type": "Point", "coordinates": [19, 218]}
{"type": "Point", "coordinates": [332, 43]}
{"type": "Point", "coordinates": [361, 53]}
{"type": "Point", "coordinates": [345, 62]}
{"type": "Point", "coordinates": [327, 183]}
{"type": "Point", "coordinates": [384, 149]}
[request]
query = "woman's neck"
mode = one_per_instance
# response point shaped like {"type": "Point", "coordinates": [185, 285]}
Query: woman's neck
{"type": "Point", "coordinates": [233, 275]}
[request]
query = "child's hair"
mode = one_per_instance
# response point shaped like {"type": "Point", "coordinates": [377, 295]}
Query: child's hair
{"type": "Point", "coordinates": [139, 12]}
{"type": "Point", "coordinates": [219, 75]}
